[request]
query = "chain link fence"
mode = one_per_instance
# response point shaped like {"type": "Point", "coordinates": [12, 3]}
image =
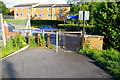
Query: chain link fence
{"type": "Point", "coordinates": [61, 40]}
{"type": "Point", "coordinates": [17, 23]}
{"type": "Point", "coordinates": [12, 23]}
{"type": "Point", "coordinates": [70, 41]}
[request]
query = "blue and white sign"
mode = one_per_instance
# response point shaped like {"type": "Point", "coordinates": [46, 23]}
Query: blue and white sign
{"type": "Point", "coordinates": [80, 15]}
{"type": "Point", "coordinates": [72, 16]}
{"type": "Point", "coordinates": [86, 15]}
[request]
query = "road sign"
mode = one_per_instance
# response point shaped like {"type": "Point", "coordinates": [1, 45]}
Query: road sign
{"type": "Point", "coordinates": [86, 15]}
{"type": "Point", "coordinates": [80, 15]}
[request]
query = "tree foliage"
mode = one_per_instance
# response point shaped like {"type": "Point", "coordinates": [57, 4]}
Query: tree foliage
{"type": "Point", "coordinates": [3, 9]}
{"type": "Point", "coordinates": [81, 6]}
{"type": "Point", "coordinates": [106, 17]}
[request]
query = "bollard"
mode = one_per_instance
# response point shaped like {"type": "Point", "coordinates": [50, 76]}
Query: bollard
{"type": "Point", "coordinates": [48, 37]}
{"type": "Point", "coordinates": [38, 39]}
{"type": "Point", "coordinates": [28, 38]}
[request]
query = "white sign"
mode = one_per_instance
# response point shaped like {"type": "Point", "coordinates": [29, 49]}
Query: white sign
{"type": "Point", "coordinates": [86, 15]}
{"type": "Point", "coordinates": [80, 15]}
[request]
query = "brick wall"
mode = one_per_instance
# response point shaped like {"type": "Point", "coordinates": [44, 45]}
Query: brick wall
{"type": "Point", "coordinates": [9, 34]}
{"type": "Point", "coordinates": [95, 42]}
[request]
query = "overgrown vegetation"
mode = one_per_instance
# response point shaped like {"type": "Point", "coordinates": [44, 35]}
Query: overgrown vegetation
{"type": "Point", "coordinates": [33, 42]}
{"type": "Point", "coordinates": [107, 18]}
{"type": "Point", "coordinates": [109, 59]}
{"type": "Point", "coordinates": [42, 41]}
{"type": "Point", "coordinates": [104, 17]}
{"type": "Point", "coordinates": [13, 45]}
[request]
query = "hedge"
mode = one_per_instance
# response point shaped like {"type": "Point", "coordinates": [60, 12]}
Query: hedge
{"type": "Point", "coordinates": [109, 59]}
{"type": "Point", "coordinates": [74, 27]}
{"type": "Point", "coordinates": [13, 45]}
{"type": "Point", "coordinates": [46, 22]}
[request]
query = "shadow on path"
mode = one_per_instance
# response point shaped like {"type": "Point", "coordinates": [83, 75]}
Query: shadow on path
{"type": "Point", "coordinates": [8, 70]}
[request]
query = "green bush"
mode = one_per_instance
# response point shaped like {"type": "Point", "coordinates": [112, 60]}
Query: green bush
{"type": "Point", "coordinates": [109, 59]}
{"type": "Point", "coordinates": [33, 42]}
{"type": "Point", "coordinates": [42, 41]}
{"type": "Point", "coordinates": [46, 22]}
{"type": "Point", "coordinates": [13, 44]}
{"type": "Point", "coordinates": [74, 27]}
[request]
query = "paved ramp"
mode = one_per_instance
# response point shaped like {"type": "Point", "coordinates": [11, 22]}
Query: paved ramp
{"type": "Point", "coordinates": [43, 63]}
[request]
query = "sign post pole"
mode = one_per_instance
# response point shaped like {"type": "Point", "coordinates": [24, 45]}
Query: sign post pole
{"type": "Point", "coordinates": [83, 15]}
{"type": "Point", "coordinates": [83, 30]}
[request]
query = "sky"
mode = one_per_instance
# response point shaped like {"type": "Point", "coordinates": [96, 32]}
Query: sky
{"type": "Point", "coordinates": [11, 3]}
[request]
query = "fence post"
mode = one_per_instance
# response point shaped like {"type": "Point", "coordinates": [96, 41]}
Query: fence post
{"type": "Point", "coordinates": [43, 32]}
{"type": "Point", "coordinates": [78, 40]}
{"type": "Point", "coordinates": [28, 38]}
{"type": "Point", "coordinates": [29, 25]}
{"type": "Point", "coordinates": [6, 29]}
{"type": "Point", "coordinates": [64, 44]}
{"type": "Point", "coordinates": [48, 39]}
{"type": "Point", "coordinates": [38, 39]}
{"type": "Point", "coordinates": [3, 31]}
{"type": "Point", "coordinates": [56, 41]}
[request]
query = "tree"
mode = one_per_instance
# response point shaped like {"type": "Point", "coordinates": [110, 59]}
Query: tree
{"type": "Point", "coordinates": [105, 16]}
{"type": "Point", "coordinates": [84, 6]}
{"type": "Point", "coordinates": [3, 9]}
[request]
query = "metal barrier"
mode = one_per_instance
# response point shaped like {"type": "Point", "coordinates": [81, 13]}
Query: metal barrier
{"type": "Point", "coordinates": [59, 39]}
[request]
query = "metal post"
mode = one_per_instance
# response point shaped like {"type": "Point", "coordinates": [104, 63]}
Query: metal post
{"type": "Point", "coordinates": [60, 35]}
{"type": "Point", "coordinates": [64, 20]}
{"type": "Point", "coordinates": [29, 25]}
{"type": "Point", "coordinates": [48, 39]}
{"type": "Point", "coordinates": [78, 40]}
{"type": "Point", "coordinates": [83, 30]}
{"type": "Point", "coordinates": [78, 24]}
{"type": "Point", "coordinates": [43, 32]}
{"type": "Point", "coordinates": [38, 39]}
{"type": "Point", "coordinates": [64, 44]}
{"type": "Point", "coordinates": [3, 31]}
{"type": "Point", "coordinates": [56, 41]}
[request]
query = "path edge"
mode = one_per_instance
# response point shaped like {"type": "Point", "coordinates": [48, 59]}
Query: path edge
{"type": "Point", "coordinates": [14, 52]}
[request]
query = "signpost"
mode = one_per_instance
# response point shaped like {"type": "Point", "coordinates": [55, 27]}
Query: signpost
{"type": "Point", "coordinates": [80, 15]}
{"type": "Point", "coordinates": [86, 15]}
{"type": "Point", "coordinates": [83, 15]}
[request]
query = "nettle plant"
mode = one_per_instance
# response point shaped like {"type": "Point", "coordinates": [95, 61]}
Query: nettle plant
{"type": "Point", "coordinates": [18, 41]}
